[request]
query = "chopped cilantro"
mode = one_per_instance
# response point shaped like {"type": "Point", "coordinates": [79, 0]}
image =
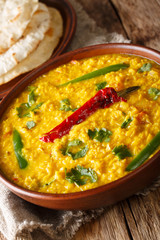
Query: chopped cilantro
{"type": "Point", "coordinates": [122, 152]}
{"type": "Point", "coordinates": [31, 98]}
{"type": "Point", "coordinates": [126, 123]}
{"type": "Point", "coordinates": [145, 68]}
{"type": "Point", "coordinates": [25, 108]}
{"type": "Point", "coordinates": [91, 133]}
{"type": "Point", "coordinates": [100, 135]}
{"type": "Point", "coordinates": [100, 85]}
{"type": "Point", "coordinates": [30, 124]}
{"type": "Point", "coordinates": [65, 105]}
{"type": "Point", "coordinates": [154, 93]}
{"type": "Point", "coordinates": [75, 155]}
{"type": "Point", "coordinates": [80, 175]}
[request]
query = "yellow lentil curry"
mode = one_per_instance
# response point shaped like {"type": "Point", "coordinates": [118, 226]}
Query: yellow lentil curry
{"type": "Point", "coordinates": [52, 166]}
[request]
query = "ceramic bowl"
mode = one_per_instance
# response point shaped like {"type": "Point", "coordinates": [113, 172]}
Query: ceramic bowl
{"type": "Point", "coordinates": [109, 193]}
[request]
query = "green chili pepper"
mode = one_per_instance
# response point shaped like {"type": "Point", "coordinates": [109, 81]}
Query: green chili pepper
{"type": "Point", "coordinates": [145, 153]}
{"type": "Point", "coordinates": [18, 145]}
{"type": "Point", "coordinates": [96, 73]}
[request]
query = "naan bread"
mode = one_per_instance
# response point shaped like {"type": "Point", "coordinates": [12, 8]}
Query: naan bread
{"type": "Point", "coordinates": [15, 16]}
{"type": "Point", "coordinates": [44, 50]}
{"type": "Point", "coordinates": [30, 40]}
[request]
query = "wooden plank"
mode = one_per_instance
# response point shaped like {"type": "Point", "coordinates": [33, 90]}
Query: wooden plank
{"type": "Point", "coordinates": [143, 216]}
{"type": "Point", "coordinates": [110, 226]}
{"type": "Point", "coordinates": [104, 15]}
{"type": "Point", "coordinates": [141, 20]}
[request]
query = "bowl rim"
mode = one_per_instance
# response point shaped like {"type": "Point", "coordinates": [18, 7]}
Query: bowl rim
{"type": "Point", "coordinates": [25, 81]}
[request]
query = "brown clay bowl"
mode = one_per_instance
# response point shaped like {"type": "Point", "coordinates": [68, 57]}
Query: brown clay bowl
{"type": "Point", "coordinates": [109, 193]}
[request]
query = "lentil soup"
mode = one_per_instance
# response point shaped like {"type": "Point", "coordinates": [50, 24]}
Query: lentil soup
{"type": "Point", "coordinates": [95, 151]}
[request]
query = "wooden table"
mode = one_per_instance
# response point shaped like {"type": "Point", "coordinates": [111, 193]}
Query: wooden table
{"type": "Point", "coordinates": [137, 218]}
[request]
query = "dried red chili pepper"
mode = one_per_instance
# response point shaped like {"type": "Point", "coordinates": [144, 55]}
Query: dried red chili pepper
{"type": "Point", "coordinates": [103, 99]}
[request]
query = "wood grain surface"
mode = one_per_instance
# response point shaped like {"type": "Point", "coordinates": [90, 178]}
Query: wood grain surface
{"type": "Point", "coordinates": [137, 218]}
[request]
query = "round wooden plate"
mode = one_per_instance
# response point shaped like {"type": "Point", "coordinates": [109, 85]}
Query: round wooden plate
{"type": "Point", "coordinates": [69, 24]}
{"type": "Point", "coordinates": [109, 193]}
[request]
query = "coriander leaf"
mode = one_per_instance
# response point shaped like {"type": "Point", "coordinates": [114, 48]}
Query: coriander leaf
{"type": "Point", "coordinates": [36, 107]}
{"type": "Point", "coordinates": [65, 105]}
{"type": "Point", "coordinates": [122, 152]}
{"type": "Point", "coordinates": [75, 142]}
{"type": "Point", "coordinates": [81, 153]}
{"type": "Point", "coordinates": [69, 150]}
{"type": "Point", "coordinates": [91, 133]}
{"type": "Point", "coordinates": [126, 123]}
{"type": "Point", "coordinates": [80, 175]}
{"type": "Point", "coordinates": [31, 98]}
{"type": "Point", "coordinates": [100, 135]}
{"type": "Point", "coordinates": [30, 124]}
{"type": "Point", "coordinates": [74, 177]}
{"type": "Point", "coordinates": [25, 108]}
{"type": "Point", "coordinates": [100, 85]}
{"type": "Point", "coordinates": [103, 135]}
{"type": "Point", "coordinates": [88, 172]}
{"type": "Point", "coordinates": [145, 68]}
{"type": "Point", "coordinates": [154, 93]}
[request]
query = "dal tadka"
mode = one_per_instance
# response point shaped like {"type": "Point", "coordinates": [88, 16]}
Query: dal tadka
{"type": "Point", "coordinates": [94, 152]}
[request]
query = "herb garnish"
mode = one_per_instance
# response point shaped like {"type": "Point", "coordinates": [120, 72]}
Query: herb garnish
{"type": "Point", "coordinates": [80, 175]}
{"type": "Point", "coordinates": [30, 124]}
{"type": "Point", "coordinates": [100, 85]}
{"type": "Point", "coordinates": [154, 93]}
{"type": "Point", "coordinates": [25, 108]}
{"type": "Point", "coordinates": [145, 68]}
{"type": "Point", "coordinates": [65, 105]}
{"type": "Point", "coordinates": [100, 135]}
{"type": "Point", "coordinates": [69, 150]}
{"type": "Point", "coordinates": [126, 123]}
{"type": "Point", "coordinates": [122, 152]}
{"type": "Point", "coordinates": [31, 96]}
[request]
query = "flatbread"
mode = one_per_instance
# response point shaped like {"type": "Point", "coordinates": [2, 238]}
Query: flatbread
{"type": "Point", "coordinates": [30, 40]}
{"type": "Point", "coordinates": [44, 50]}
{"type": "Point", "coordinates": [15, 16]}
{"type": "Point", "coordinates": [2, 2]}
